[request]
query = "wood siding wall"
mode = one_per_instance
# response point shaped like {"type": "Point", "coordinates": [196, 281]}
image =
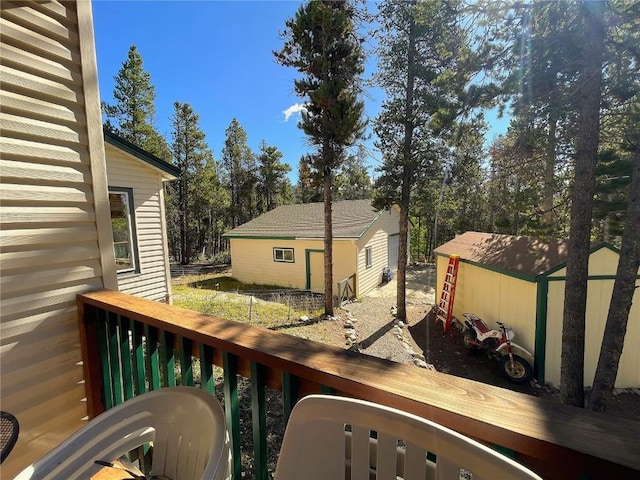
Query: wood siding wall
{"type": "Point", "coordinates": [377, 237]}
{"type": "Point", "coordinates": [153, 281]}
{"type": "Point", "coordinates": [53, 243]}
{"type": "Point", "coordinates": [252, 261]}
{"type": "Point", "coordinates": [603, 262]}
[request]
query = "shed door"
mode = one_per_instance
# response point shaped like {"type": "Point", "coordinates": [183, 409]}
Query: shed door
{"type": "Point", "coordinates": [393, 241]}
{"type": "Point", "coordinates": [315, 272]}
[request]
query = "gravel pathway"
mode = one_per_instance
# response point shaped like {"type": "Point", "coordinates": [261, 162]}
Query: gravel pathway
{"type": "Point", "coordinates": [377, 332]}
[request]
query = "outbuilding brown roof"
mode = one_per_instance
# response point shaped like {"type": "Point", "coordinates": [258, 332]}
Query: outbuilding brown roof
{"type": "Point", "coordinates": [351, 218]}
{"type": "Point", "coordinates": [524, 255]}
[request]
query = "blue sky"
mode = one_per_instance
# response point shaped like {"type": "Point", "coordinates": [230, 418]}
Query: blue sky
{"type": "Point", "coordinates": [216, 56]}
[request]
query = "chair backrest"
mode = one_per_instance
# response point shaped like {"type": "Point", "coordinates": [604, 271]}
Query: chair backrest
{"type": "Point", "coordinates": [9, 430]}
{"type": "Point", "coordinates": [186, 425]}
{"type": "Point", "coordinates": [343, 438]}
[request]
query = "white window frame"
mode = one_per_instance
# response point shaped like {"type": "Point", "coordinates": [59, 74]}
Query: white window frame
{"type": "Point", "coordinates": [279, 255]}
{"type": "Point", "coordinates": [368, 257]}
{"type": "Point", "coordinates": [131, 244]}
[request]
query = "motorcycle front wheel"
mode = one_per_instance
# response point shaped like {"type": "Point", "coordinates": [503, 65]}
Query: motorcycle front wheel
{"type": "Point", "coordinates": [469, 341]}
{"type": "Point", "coordinates": [516, 371]}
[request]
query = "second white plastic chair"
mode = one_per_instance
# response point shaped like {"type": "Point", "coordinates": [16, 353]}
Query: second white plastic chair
{"type": "Point", "coordinates": [331, 437]}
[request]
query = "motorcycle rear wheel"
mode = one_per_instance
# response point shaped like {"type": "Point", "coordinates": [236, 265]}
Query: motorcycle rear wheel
{"type": "Point", "coordinates": [518, 371]}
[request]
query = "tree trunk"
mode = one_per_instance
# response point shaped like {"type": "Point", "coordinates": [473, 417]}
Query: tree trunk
{"type": "Point", "coordinates": [401, 298]}
{"type": "Point", "coordinates": [328, 244]}
{"type": "Point", "coordinates": [575, 292]}
{"type": "Point", "coordinates": [621, 299]}
{"type": "Point", "coordinates": [549, 175]}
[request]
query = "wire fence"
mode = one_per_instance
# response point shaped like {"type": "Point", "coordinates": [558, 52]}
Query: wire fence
{"type": "Point", "coordinates": [296, 301]}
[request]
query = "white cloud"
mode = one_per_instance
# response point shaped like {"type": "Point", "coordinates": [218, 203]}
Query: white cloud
{"type": "Point", "coordinates": [293, 109]}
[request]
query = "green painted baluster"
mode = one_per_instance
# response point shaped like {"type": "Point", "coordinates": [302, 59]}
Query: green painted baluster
{"type": "Point", "coordinates": [105, 364]}
{"type": "Point", "coordinates": [327, 390]}
{"type": "Point", "coordinates": [139, 380]}
{"type": "Point", "coordinates": [167, 360]}
{"type": "Point", "coordinates": [153, 357]}
{"type": "Point", "coordinates": [259, 420]}
{"type": "Point", "coordinates": [289, 394]}
{"type": "Point", "coordinates": [186, 361]}
{"type": "Point", "coordinates": [232, 409]}
{"type": "Point", "coordinates": [207, 380]}
{"type": "Point", "coordinates": [507, 452]}
{"type": "Point", "coordinates": [114, 356]}
{"type": "Point", "coordinates": [125, 357]}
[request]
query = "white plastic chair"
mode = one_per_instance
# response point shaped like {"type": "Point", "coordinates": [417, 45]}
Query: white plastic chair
{"type": "Point", "coordinates": [186, 426]}
{"type": "Point", "coordinates": [331, 437]}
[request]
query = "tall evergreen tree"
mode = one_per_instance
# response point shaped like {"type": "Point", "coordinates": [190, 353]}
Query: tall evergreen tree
{"type": "Point", "coordinates": [133, 115]}
{"type": "Point", "coordinates": [321, 42]}
{"type": "Point", "coordinates": [621, 127]}
{"type": "Point", "coordinates": [575, 298]}
{"type": "Point", "coordinates": [309, 186]}
{"type": "Point", "coordinates": [272, 178]}
{"type": "Point", "coordinates": [238, 162]}
{"type": "Point", "coordinates": [353, 181]}
{"type": "Point", "coordinates": [190, 154]}
{"type": "Point", "coordinates": [421, 47]}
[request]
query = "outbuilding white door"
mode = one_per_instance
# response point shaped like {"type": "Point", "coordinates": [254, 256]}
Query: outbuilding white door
{"type": "Point", "coordinates": [393, 241]}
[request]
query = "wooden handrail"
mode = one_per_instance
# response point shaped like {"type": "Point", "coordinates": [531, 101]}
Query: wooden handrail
{"type": "Point", "coordinates": [557, 441]}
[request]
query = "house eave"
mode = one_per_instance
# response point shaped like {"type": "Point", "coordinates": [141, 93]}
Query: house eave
{"type": "Point", "coordinates": [168, 171]}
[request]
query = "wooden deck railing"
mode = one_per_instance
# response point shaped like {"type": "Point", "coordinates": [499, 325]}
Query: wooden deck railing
{"type": "Point", "coordinates": [131, 345]}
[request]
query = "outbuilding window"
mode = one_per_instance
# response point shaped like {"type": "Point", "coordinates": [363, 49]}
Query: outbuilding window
{"type": "Point", "coordinates": [368, 257]}
{"type": "Point", "coordinates": [283, 255]}
{"type": "Point", "coordinates": [123, 229]}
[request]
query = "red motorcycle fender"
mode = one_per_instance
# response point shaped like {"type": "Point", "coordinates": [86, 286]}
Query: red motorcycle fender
{"type": "Point", "coordinates": [516, 350]}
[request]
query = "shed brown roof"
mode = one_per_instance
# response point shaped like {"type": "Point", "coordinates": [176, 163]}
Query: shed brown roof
{"type": "Point", "coordinates": [351, 218]}
{"type": "Point", "coordinates": [524, 255]}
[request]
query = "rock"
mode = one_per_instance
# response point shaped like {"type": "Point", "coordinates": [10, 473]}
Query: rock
{"type": "Point", "coordinates": [419, 356]}
{"type": "Point", "coordinates": [350, 333]}
{"type": "Point", "coordinates": [419, 363]}
{"type": "Point", "coordinates": [348, 324]}
{"type": "Point", "coordinates": [304, 318]}
{"type": "Point", "coordinates": [400, 324]}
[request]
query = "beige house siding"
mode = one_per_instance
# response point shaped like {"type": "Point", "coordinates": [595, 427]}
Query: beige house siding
{"type": "Point", "coordinates": [252, 261]}
{"type": "Point", "coordinates": [375, 237]}
{"type": "Point", "coordinates": [493, 297]}
{"type": "Point", "coordinates": [53, 245]}
{"type": "Point", "coordinates": [153, 280]}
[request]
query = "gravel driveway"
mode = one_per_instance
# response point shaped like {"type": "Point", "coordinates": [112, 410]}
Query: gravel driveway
{"type": "Point", "coordinates": [375, 325]}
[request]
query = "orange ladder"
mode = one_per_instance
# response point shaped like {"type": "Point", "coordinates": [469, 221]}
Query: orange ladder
{"type": "Point", "coordinates": [445, 307]}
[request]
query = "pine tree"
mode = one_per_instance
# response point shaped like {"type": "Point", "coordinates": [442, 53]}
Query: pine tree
{"type": "Point", "coordinates": [321, 42]}
{"type": "Point", "coordinates": [353, 181]}
{"type": "Point", "coordinates": [132, 116]}
{"type": "Point", "coordinates": [272, 177]}
{"type": "Point", "coordinates": [309, 186]}
{"type": "Point", "coordinates": [190, 154]}
{"type": "Point", "coordinates": [420, 52]}
{"type": "Point", "coordinates": [238, 162]}
{"type": "Point", "coordinates": [575, 300]}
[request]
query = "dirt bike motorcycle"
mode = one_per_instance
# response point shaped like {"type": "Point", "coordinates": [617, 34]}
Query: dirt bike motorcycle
{"type": "Point", "coordinates": [516, 363]}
